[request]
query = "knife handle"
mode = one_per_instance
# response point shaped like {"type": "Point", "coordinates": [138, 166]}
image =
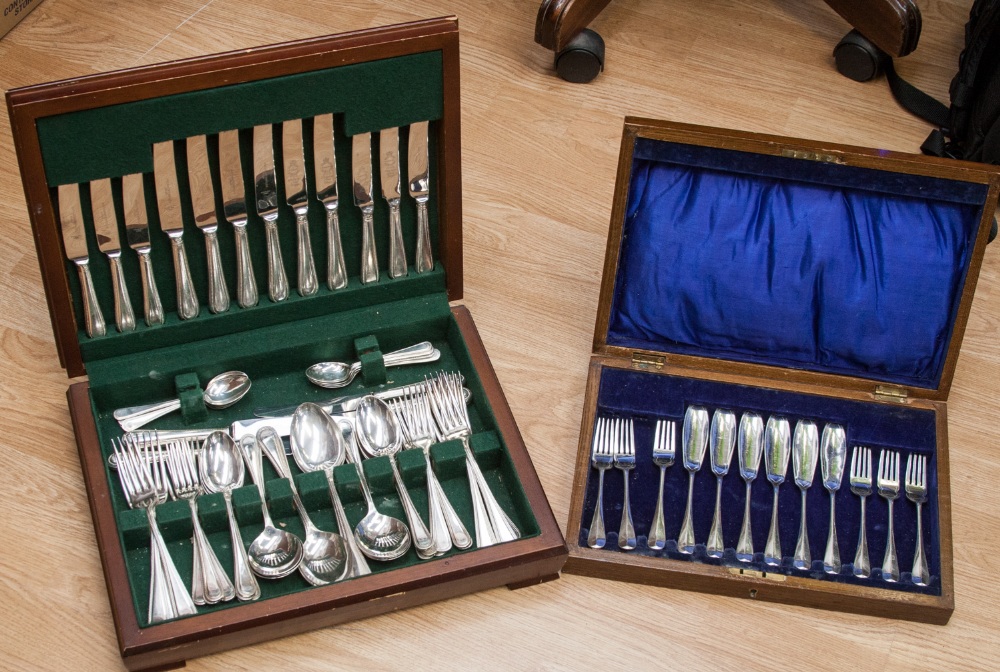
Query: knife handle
{"type": "Point", "coordinates": [307, 267]}
{"type": "Point", "coordinates": [425, 258]}
{"type": "Point", "coordinates": [277, 281]}
{"type": "Point", "coordinates": [151, 306]}
{"type": "Point", "coordinates": [369, 259]}
{"type": "Point", "coordinates": [246, 283]}
{"type": "Point", "coordinates": [187, 300]}
{"type": "Point", "coordinates": [397, 250]}
{"type": "Point", "coordinates": [92, 318]}
{"type": "Point", "coordinates": [124, 317]}
{"type": "Point", "coordinates": [218, 292]}
{"type": "Point", "coordinates": [336, 272]}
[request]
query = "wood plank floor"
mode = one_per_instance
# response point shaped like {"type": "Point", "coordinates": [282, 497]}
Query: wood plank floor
{"type": "Point", "coordinates": [539, 166]}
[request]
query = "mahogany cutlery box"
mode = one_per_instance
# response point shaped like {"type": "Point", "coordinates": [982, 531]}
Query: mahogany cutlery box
{"type": "Point", "coordinates": [788, 278]}
{"type": "Point", "coordinates": [103, 126]}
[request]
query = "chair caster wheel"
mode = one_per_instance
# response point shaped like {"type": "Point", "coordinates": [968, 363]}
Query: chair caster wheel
{"type": "Point", "coordinates": [858, 59]}
{"type": "Point", "coordinates": [582, 59]}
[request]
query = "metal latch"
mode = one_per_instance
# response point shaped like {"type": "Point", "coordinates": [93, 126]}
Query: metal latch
{"type": "Point", "coordinates": [645, 362]}
{"type": "Point", "coordinates": [890, 393]}
{"type": "Point", "coordinates": [811, 156]}
{"type": "Point", "coordinates": [740, 571]}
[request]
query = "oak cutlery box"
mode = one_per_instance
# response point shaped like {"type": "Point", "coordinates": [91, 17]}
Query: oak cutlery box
{"type": "Point", "coordinates": [785, 278]}
{"type": "Point", "coordinates": [81, 132]}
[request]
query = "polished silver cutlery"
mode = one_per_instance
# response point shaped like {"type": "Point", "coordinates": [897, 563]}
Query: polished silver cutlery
{"type": "Point", "coordinates": [664, 441]}
{"type": "Point", "coordinates": [388, 143]}
{"type": "Point", "coordinates": [722, 439]}
{"type": "Point", "coordinates": [888, 489]}
{"type": "Point", "coordinates": [602, 457]}
{"type": "Point", "coordinates": [361, 167]}
{"type": "Point", "coordinates": [750, 448]}
{"type": "Point", "coordinates": [297, 197]}
{"type": "Point", "coordinates": [777, 439]}
{"type": "Point", "coordinates": [861, 485]}
{"type": "Point", "coordinates": [168, 201]}
{"type": "Point", "coordinates": [325, 163]}
{"type": "Point", "coordinates": [624, 445]}
{"type": "Point", "coordinates": [832, 460]}
{"type": "Point", "coordinates": [235, 210]}
{"type": "Point", "coordinates": [265, 186]}
{"type": "Point", "coordinates": [137, 237]}
{"type": "Point", "coordinates": [106, 227]}
{"type": "Point", "coordinates": [203, 203]}
{"type": "Point", "coordinates": [805, 451]}
{"type": "Point", "coordinates": [694, 441]}
{"type": "Point", "coordinates": [916, 492]}
{"type": "Point", "coordinates": [75, 242]}
{"type": "Point", "coordinates": [419, 184]}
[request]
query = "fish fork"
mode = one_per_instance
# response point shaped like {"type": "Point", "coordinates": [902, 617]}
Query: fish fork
{"type": "Point", "coordinates": [209, 583]}
{"type": "Point", "coordinates": [916, 492]}
{"type": "Point", "coordinates": [602, 458]}
{"type": "Point", "coordinates": [624, 440]}
{"type": "Point", "coordinates": [888, 487]}
{"type": "Point", "coordinates": [664, 437]}
{"type": "Point", "coordinates": [861, 485]}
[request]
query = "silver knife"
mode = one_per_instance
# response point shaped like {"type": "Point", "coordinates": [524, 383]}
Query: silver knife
{"type": "Point", "coordinates": [325, 160]}
{"type": "Point", "coordinates": [137, 237]}
{"type": "Point", "coordinates": [419, 174]}
{"type": "Point", "coordinates": [234, 205]}
{"type": "Point", "coordinates": [75, 242]}
{"type": "Point", "coordinates": [203, 201]}
{"type": "Point", "coordinates": [361, 165]}
{"type": "Point", "coordinates": [389, 170]}
{"type": "Point", "coordinates": [297, 196]}
{"type": "Point", "coordinates": [106, 226]}
{"type": "Point", "coordinates": [266, 191]}
{"type": "Point", "coordinates": [169, 201]}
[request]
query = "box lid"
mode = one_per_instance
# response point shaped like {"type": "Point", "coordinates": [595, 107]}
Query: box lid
{"type": "Point", "coordinates": [790, 259]}
{"type": "Point", "coordinates": [80, 131]}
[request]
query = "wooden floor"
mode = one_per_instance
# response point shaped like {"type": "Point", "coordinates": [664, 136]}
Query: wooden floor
{"type": "Point", "coordinates": [539, 167]}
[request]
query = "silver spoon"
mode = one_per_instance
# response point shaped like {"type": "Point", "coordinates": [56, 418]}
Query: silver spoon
{"type": "Point", "coordinates": [222, 391]}
{"type": "Point", "coordinates": [324, 556]}
{"type": "Point", "coordinates": [274, 553]}
{"type": "Point", "coordinates": [318, 445]}
{"type": "Point", "coordinates": [750, 451]}
{"type": "Point", "coordinates": [722, 439]}
{"type": "Point", "coordinates": [805, 450]}
{"type": "Point", "coordinates": [777, 437]}
{"type": "Point", "coordinates": [380, 435]}
{"type": "Point", "coordinates": [832, 460]}
{"type": "Point", "coordinates": [332, 375]}
{"type": "Point", "coordinates": [222, 470]}
{"type": "Point", "coordinates": [694, 437]}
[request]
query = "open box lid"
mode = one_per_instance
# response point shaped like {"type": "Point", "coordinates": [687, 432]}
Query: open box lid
{"type": "Point", "coordinates": [788, 259]}
{"type": "Point", "coordinates": [81, 130]}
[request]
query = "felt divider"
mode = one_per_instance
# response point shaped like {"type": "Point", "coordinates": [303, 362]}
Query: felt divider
{"type": "Point", "coordinates": [647, 397]}
{"type": "Point", "coordinates": [275, 358]}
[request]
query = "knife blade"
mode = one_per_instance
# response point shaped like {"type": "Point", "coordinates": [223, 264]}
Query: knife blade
{"type": "Point", "coordinates": [297, 197]}
{"type": "Point", "coordinates": [106, 225]}
{"type": "Point", "coordinates": [234, 206]}
{"type": "Point", "coordinates": [137, 237]}
{"type": "Point", "coordinates": [361, 166]}
{"type": "Point", "coordinates": [266, 192]}
{"type": "Point", "coordinates": [419, 174]}
{"type": "Point", "coordinates": [203, 202]}
{"type": "Point", "coordinates": [325, 163]}
{"type": "Point", "coordinates": [389, 170]}
{"type": "Point", "coordinates": [75, 242]}
{"type": "Point", "coordinates": [168, 201]}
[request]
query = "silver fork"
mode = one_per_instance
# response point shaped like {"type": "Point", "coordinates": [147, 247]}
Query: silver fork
{"type": "Point", "coordinates": [664, 436]}
{"type": "Point", "coordinates": [916, 492]}
{"type": "Point", "coordinates": [209, 583]}
{"type": "Point", "coordinates": [602, 458]}
{"type": "Point", "coordinates": [143, 482]}
{"type": "Point", "coordinates": [888, 487]}
{"type": "Point", "coordinates": [625, 461]}
{"type": "Point", "coordinates": [861, 485]}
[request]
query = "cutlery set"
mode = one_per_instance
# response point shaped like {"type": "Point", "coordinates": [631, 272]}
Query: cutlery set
{"type": "Point", "coordinates": [752, 439]}
{"type": "Point", "coordinates": [154, 466]}
{"type": "Point", "coordinates": [265, 200]}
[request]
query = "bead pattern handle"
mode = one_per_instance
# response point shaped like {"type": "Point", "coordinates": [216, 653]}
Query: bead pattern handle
{"type": "Point", "coordinates": [93, 319]}
{"type": "Point", "coordinates": [397, 251]}
{"type": "Point", "coordinates": [425, 258]}
{"type": "Point", "coordinates": [152, 308]}
{"type": "Point", "coordinates": [218, 292]}
{"type": "Point", "coordinates": [246, 283]}
{"type": "Point", "coordinates": [124, 316]}
{"type": "Point", "coordinates": [187, 300]}
{"type": "Point", "coordinates": [307, 266]}
{"type": "Point", "coordinates": [277, 280]}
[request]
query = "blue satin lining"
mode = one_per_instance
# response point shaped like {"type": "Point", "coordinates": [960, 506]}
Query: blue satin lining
{"type": "Point", "coordinates": [792, 263]}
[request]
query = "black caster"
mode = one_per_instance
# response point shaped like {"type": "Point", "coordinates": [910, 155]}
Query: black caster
{"type": "Point", "coordinates": [582, 59]}
{"type": "Point", "coordinates": [859, 59]}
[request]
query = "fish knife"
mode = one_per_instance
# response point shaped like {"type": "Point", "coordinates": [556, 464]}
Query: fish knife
{"type": "Point", "coordinates": [106, 226]}
{"type": "Point", "coordinates": [361, 167]}
{"type": "Point", "coordinates": [75, 242]}
{"type": "Point", "coordinates": [297, 197]}
{"type": "Point", "coordinates": [203, 201]}
{"type": "Point", "coordinates": [169, 202]}
{"type": "Point", "coordinates": [419, 174]}
{"type": "Point", "coordinates": [389, 170]}
{"type": "Point", "coordinates": [266, 192]}
{"type": "Point", "coordinates": [137, 237]}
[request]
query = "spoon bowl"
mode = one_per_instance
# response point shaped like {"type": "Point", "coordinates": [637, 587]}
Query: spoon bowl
{"type": "Point", "coordinates": [226, 389]}
{"type": "Point", "coordinates": [332, 375]}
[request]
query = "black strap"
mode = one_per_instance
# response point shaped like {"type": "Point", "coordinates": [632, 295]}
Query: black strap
{"type": "Point", "coordinates": [914, 100]}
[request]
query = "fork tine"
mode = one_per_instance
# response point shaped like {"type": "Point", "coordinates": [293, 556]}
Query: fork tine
{"type": "Point", "coordinates": [923, 471]}
{"type": "Point", "coordinates": [672, 439]}
{"type": "Point", "coordinates": [631, 437]}
{"type": "Point", "coordinates": [909, 469]}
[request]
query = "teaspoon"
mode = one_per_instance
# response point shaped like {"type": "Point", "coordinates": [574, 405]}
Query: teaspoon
{"type": "Point", "coordinates": [805, 447]}
{"type": "Point", "coordinates": [750, 451]}
{"type": "Point", "coordinates": [695, 440]}
{"type": "Point", "coordinates": [777, 437]}
{"type": "Point", "coordinates": [832, 459]}
{"type": "Point", "coordinates": [222, 391]}
{"type": "Point", "coordinates": [722, 439]}
{"type": "Point", "coordinates": [332, 375]}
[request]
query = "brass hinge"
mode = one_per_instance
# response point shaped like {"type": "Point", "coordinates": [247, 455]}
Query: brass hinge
{"type": "Point", "coordinates": [890, 393]}
{"type": "Point", "coordinates": [811, 156]}
{"type": "Point", "coordinates": [645, 362]}
{"type": "Point", "coordinates": [740, 571]}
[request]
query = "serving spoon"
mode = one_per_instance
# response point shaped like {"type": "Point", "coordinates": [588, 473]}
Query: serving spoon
{"type": "Point", "coordinates": [222, 391]}
{"type": "Point", "coordinates": [332, 375]}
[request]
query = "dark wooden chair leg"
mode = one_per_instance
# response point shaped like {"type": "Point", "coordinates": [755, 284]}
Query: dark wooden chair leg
{"type": "Point", "coordinates": [891, 25]}
{"type": "Point", "coordinates": [559, 21]}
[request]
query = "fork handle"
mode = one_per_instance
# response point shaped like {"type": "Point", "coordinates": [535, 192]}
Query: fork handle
{"type": "Point", "coordinates": [161, 607]}
{"type": "Point", "coordinates": [890, 565]}
{"type": "Point", "coordinates": [247, 588]}
{"type": "Point", "coordinates": [421, 537]}
{"type": "Point", "coordinates": [503, 527]}
{"type": "Point", "coordinates": [626, 531]}
{"type": "Point", "coordinates": [657, 538]}
{"type": "Point", "coordinates": [862, 566]}
{"type": "Point", "coordinates": [831, 559]}
{"type": "Point", "coordinates": [358, 566]}
{"type": "Point", "coordinates": [179, 596]}
{"type": "Point", "coordinates": [215, 585]}
{"type": "Point", "coordinates": [920, 573]}
{"type": "Point", "coordinates": [454, 529]}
